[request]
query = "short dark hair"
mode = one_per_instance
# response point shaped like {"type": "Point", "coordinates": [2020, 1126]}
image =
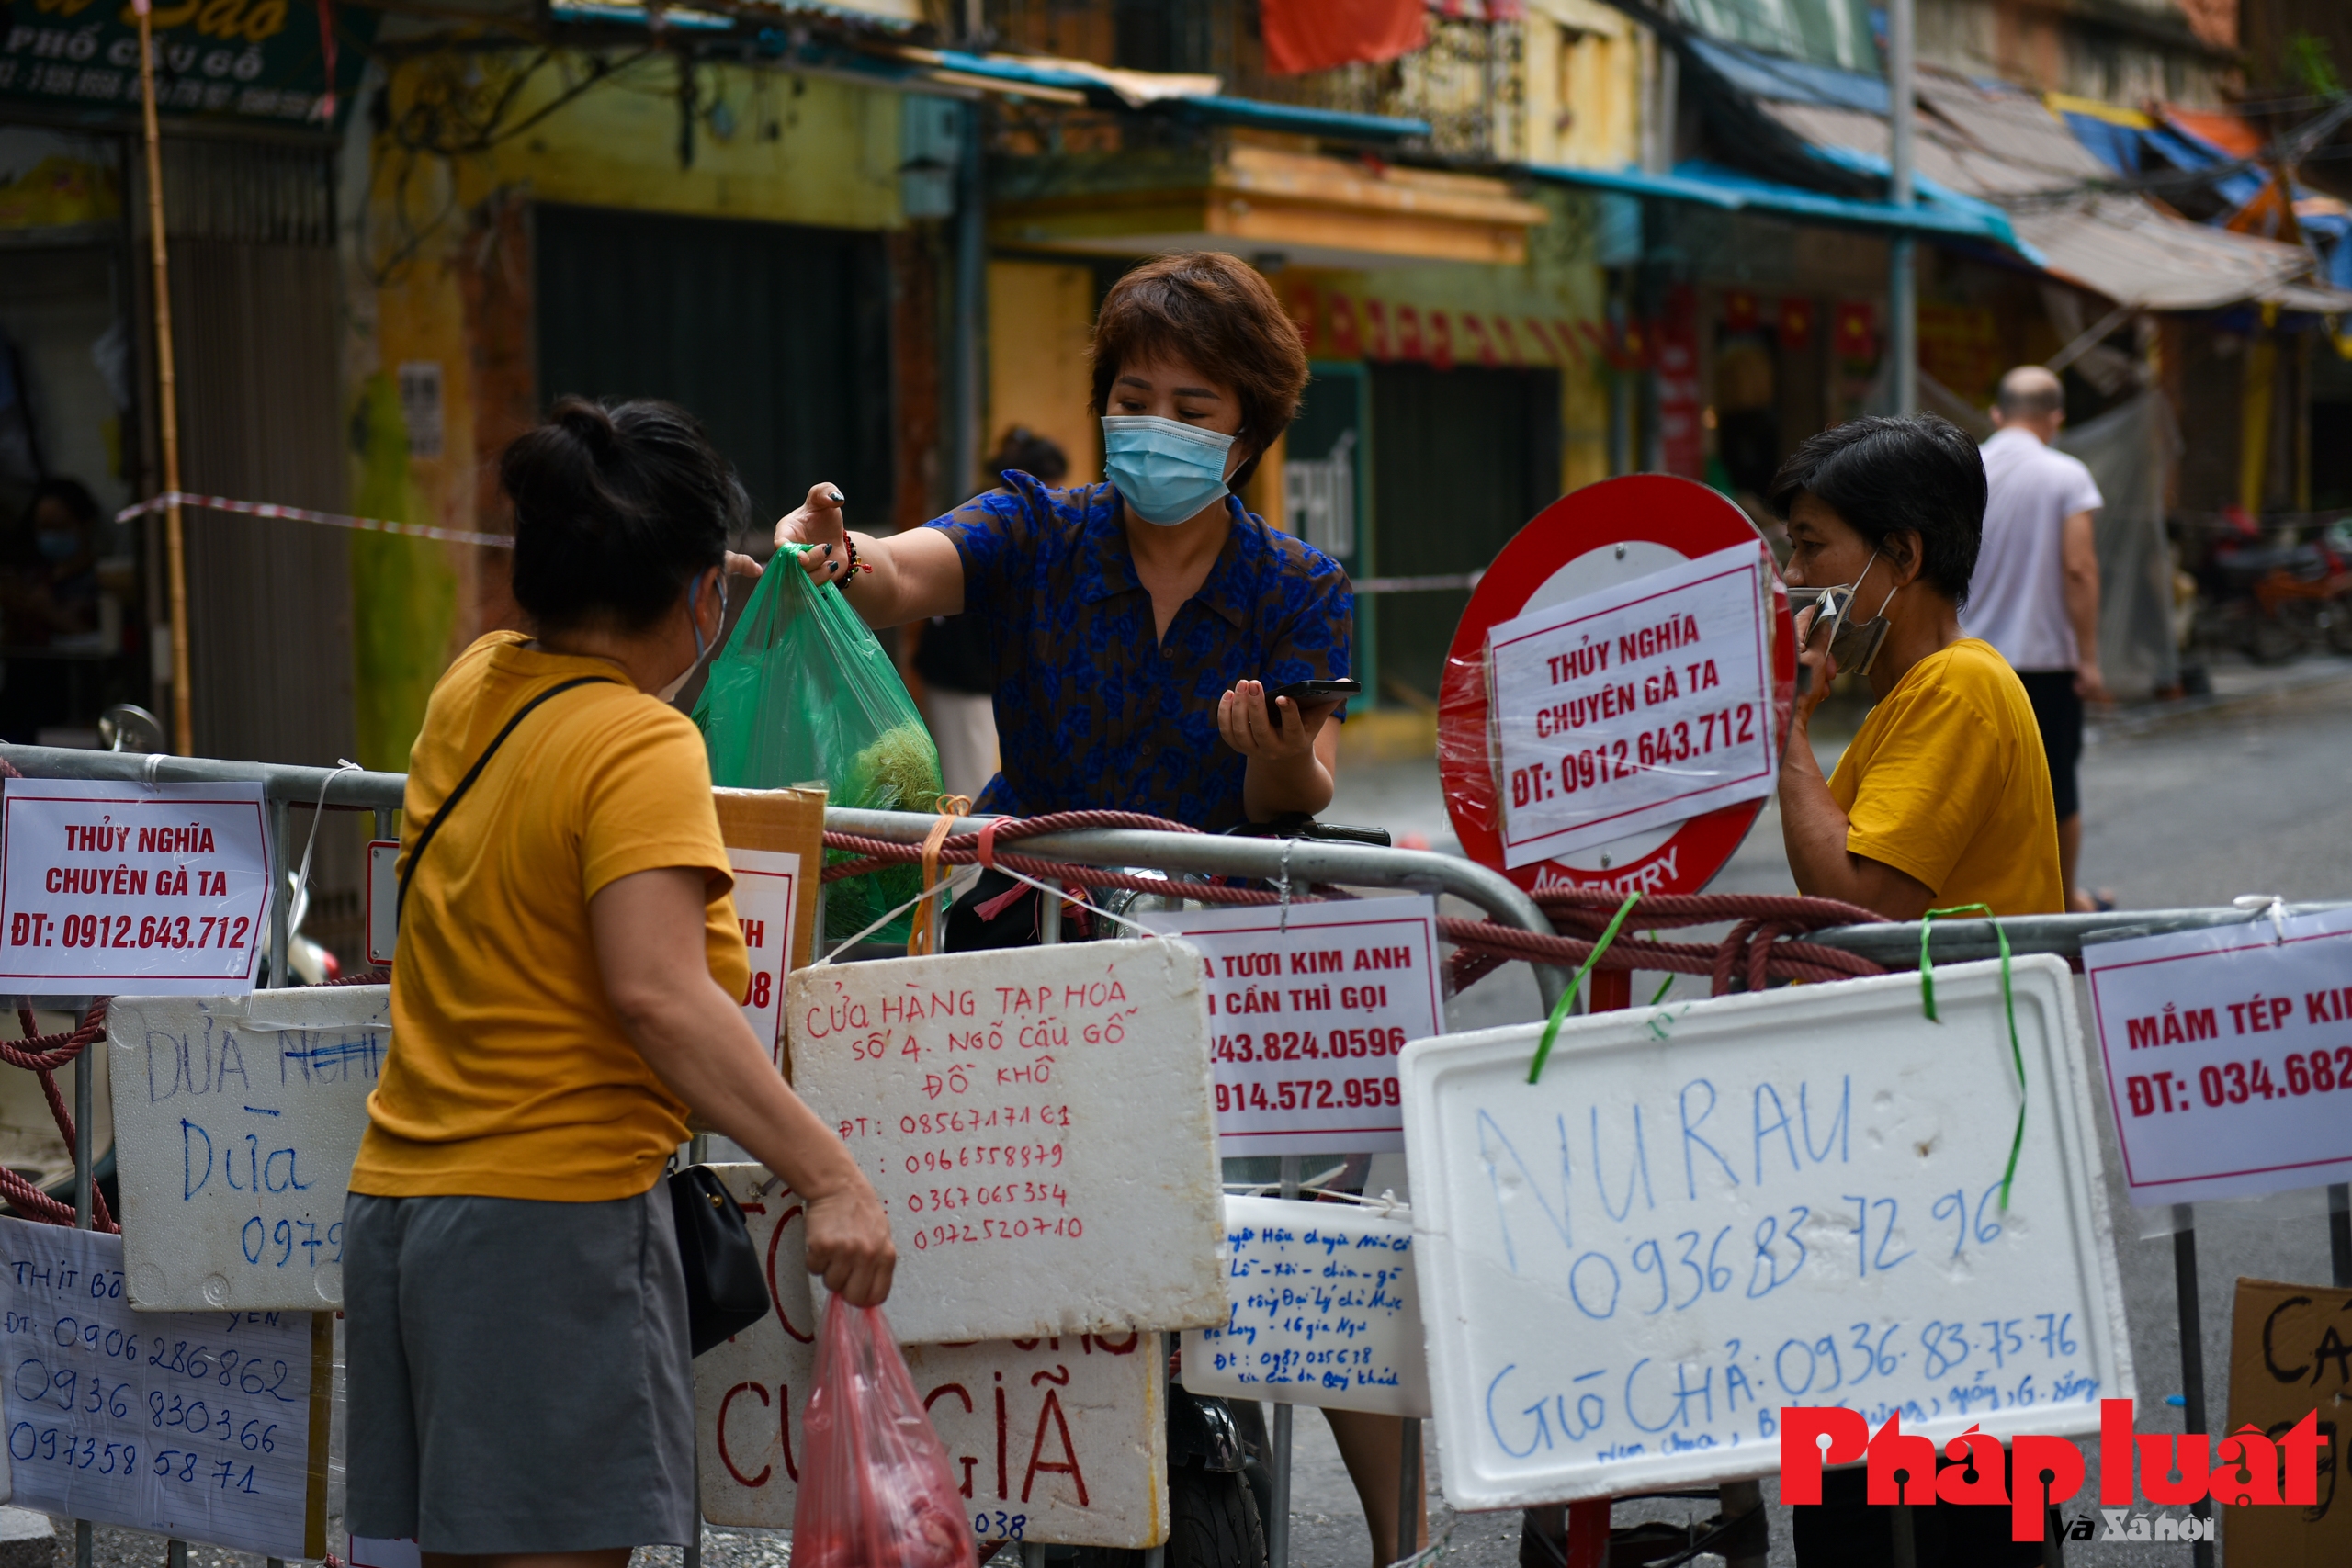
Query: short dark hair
{"type": "Point", "coordinates": [1215, 311]}
{"type": "Point", "coordinates": [1891, 475]}
{"type": "Point", "coordinates": [71, 493]}
{"type": "Point", "coordinates": [616, 509]}
{"type": "Point", "coordinates": [1039, 457]}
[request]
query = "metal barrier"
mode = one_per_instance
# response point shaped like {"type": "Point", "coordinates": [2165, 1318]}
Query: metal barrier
{"type": "Point", "coordinates": [1892, 945]}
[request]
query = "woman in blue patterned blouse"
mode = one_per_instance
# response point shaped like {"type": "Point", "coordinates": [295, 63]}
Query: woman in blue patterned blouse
{"type": "Point", "coordinates": [1135, 626]}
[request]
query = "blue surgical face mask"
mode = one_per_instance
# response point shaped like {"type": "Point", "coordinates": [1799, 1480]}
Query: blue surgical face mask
{"type": "Point", "coordinates": [1166, 469]}
{"type": "Point", "coordinates": [60, 545]}
{"type": "Point", "coordinates": [669, 693]}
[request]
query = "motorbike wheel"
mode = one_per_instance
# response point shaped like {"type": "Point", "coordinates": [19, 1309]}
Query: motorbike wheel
{"type": "Point", "coordinates": [1212, 1523]}
{"type": "Point", "coordinates": [2272, 640]}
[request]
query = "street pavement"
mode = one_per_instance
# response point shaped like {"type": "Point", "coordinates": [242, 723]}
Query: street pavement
{"type": "Point", "coordinates": [2247, 792]}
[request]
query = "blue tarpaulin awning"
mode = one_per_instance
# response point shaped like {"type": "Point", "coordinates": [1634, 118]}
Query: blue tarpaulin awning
{"type": "Point", "coordinates": [1938, 212]}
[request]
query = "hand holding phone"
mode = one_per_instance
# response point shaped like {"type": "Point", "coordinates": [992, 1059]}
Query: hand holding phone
{"type": "Point", "coordinates": [1306, 693]}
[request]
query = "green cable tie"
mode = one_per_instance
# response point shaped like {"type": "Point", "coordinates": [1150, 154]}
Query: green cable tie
{"type": "Point", "coordinates": [2008, 1004]}
{"type": "Point", "coordinates": [1575, 983]}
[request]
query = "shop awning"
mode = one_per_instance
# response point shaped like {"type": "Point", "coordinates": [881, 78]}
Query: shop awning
{"type": "Point", "coordinates": [1712, 185]}
{"type": "Point", "coordinates": [958, 73]}
{"type": "Point", "coordinates": [1310, 208]}
{"type": "Point", "coordinates": [2003, 146]}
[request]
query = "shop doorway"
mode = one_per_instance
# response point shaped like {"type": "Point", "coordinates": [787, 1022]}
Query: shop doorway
{"type": "Point", "coordinates": [1462, 460]}
{"type": "Point", "coordinates": [775, 336]}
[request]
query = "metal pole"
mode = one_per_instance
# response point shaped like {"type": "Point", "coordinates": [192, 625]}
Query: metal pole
{"type": "Point", "coordinates": [83, 1211]}
{"type": "Point", "coordinates": [1278, 1527]}
{"type": "Point", "coordinates": [176, 1553]}
{"type": "Point", "coordinates": [1902, 283]}
{"type": "Point", "coordinates": [1050, 918]}
{"type": "Point", "coordinates": [383, 824]}
{"type": "Point", "coordinates": [2192, 1348]}
{"type": "Point", "coordinates": [965, 400]}
{"type": "Point", "coordinates": [166, 390]}
{"type": "Point", "coordinates": [280, 897]}
{"type": "Point", "coordinates": [1408, 1489]}
{"type": "Point", "coordinates": [2339, 1232]}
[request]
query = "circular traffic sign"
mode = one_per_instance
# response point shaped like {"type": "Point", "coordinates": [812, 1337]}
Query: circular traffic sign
{"type": "Point", "coordinates": [1596, 539]}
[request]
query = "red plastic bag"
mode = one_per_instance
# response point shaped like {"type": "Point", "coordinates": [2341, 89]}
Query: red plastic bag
{"type": "Point", "coordinates": [876, 1489]}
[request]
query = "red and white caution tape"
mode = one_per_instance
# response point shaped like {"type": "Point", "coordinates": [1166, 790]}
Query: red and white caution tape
{"type": "Point", "coordinates": [305, 515]}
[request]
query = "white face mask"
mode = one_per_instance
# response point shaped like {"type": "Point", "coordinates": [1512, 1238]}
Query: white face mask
{"type": "Point", "coordinates": [703, 650]}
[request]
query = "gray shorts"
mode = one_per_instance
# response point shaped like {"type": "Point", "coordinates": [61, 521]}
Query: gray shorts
{"type": "Point", "coordinates": [518, 1372]}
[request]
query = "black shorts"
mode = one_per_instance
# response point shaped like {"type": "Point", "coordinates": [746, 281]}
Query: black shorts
{"type": "Point", "coordinates": [2058, 713]}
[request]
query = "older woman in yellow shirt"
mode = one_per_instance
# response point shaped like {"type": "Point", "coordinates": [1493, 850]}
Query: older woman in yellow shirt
{"type": "Point", "coordinates": [1942, 799]}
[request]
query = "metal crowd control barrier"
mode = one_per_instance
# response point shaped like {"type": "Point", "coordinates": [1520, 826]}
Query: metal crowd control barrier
{"type": "Point", "coordinates": [1893, 945]}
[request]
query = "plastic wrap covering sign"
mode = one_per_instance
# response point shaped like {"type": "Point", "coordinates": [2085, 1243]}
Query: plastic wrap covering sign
{"type": "Point", "coordinates": [2229, 1056]}
{"type": "Point", "coordinates": [1323, 1310]}
{"type": "Point", "coordinates": [1052, 1439]}
{"type": "Point", "coordinates": [1707, 1212]}
{"type": "Point", "coordinates": [1600, 741]}
{"type": "Point", "coordinates": [1037, 1123]}
{"type": "Point", "coordinates": [1308, 1014]}
{"type": "Point", "coordinates": [236, 1123]}
{"type": "Point", "coordinates": [209, 1427]}
{"type": "Point", "coordinates": [153, 889]}
{"type": "Point", "coordinates": [1634, 707]}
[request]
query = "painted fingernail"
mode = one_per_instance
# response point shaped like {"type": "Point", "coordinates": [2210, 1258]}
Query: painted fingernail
{"type": "Point", "coordinates": [836, 494]}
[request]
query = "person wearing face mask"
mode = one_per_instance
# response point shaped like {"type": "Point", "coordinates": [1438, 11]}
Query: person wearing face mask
{"type": "Point", "coordinates": [1941, 800]}
{"type": "Point", "coordinates": [519, 1368]}
{"type": "Point", "coordinates": [1136, 628]}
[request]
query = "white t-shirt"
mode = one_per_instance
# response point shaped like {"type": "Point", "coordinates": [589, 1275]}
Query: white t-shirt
{"type": "Point", "coordinates": [2017, 601]}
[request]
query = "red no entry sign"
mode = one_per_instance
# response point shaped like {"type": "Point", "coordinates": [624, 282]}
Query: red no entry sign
{"type": "Point", "coordinates": [1616, 727]}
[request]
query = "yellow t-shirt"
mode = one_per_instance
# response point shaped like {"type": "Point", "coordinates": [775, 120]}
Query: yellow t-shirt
{"type": "Point", "coordinates": [509, 1074]}
{"type": "Point", "coordinates": [1947, 782]}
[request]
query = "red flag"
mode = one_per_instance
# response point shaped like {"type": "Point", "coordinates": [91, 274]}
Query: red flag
{"type": "Point", "coordinates": [1854, 330]}
{"type": "Point", "coordinates": [1346, 343]}
{"type": "Point", "coordinates": [1315, 35]}
{"type": "Point", "coordinates": [1440, 340]}
{"type": "Point", "coordinates": [1739, 311]}
{"type": "Point", "coordinates": [1796, 322]}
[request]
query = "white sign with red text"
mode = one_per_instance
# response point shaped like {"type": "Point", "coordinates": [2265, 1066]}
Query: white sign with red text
{"type": "Point", "coordinates": [1638, 707]}
{"type": "Point", "coordinates": [1060, 1439]}
{"type": "Point", "coordinates": [767, 891]}
{"type": "Point", "coordinates": [152, 889]}
{"type": "Point", "coordinates": [1306, 1015]}
{"type": "Point", "coordinates": [2229, 1056]}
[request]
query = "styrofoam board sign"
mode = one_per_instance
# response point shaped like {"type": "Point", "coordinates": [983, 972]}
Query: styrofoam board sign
{"type": "Point", "coordinates": [1322, 1309]}
{"type": "Point", "coordinates": [1309, 1008]}
{"type": "Point", "coordinates": [1037, 1123]}
{"type": "Point", "coordinates": [1051, 1440]}
{"type": "Point", "coordinates": [237, 1120]}
{"type": "Point", "coordinates": [2242, 1030]}
{"type": "Point", "coordinates": [209, 1427]}
{"type": "Point", "coordinates": [1708, 1210]}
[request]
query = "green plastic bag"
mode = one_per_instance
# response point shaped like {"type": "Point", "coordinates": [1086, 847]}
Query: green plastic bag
{"type": "Point", "coordinates": [802, 692]}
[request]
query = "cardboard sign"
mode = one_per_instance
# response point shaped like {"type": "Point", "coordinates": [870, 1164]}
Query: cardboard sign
{"type": "Point", "coordinates": [772, 836]}
{"type": "Point", "coordinates": [2229, 1056]}
{"type": "Point", "coordinates": [2291, 1353]}
{"type": "Point", "coordinates": [1053, 1440]}
{"type": "Point", "coordinates": [1708, 1210]}
{"type": "Point", "coordinates": [1308, 1016]}
{"type": "Point", "coordinates": [1037, 1123]}
{"type": "Point", "coordinates": [1633, 707]}
{"type": "Point", "coordinates": [238, 1120]}
{"type": "Point", "coordinates": [1322, 1309]}
{"type": "Point", "coordinates": [157, 889]}
{"type": "Point", "coordinates": [209, 1427]}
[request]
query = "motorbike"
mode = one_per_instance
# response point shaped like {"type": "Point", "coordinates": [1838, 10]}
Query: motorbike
{"type": "Point", "coordinates": [2274, 601]}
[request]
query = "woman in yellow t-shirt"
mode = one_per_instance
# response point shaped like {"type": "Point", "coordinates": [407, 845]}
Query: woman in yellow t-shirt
{"type": "Point", "coordinates": [1941, 800]}
{"type": "Point", "coordinates": [1943, 797]}
{"type": "Point", "coordinates": [520, 1377]}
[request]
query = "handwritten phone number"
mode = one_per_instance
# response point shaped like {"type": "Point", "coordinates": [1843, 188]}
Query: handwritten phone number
{"type": "Point", "coordinates": [257, 1239]}
{"type": "Point", "coordinates": [974, 1156]}
{"type": "Point", "coordinates": [2235, 1083]}
{"type": "Point", "coordinates": [33, 1382]}
{"type": "Point", "coordinates": [940, 1199]}
{"type": "Point", "coordinates": [27, 1445]}
{"type": "Point", "coordinates": [1070, 1227]}
{"type": "Point", "coordinates": [1307, 1045]}
{"type": "Point", "coordinates": [34, 929]}
{"type": "Point", "coordinates": [1652, 749]}
{"type": "Point", "coordinates": [1310, 1094]}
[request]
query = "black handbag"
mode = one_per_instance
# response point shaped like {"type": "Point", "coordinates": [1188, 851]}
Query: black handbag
{"type": "Point", "coordinates": [725, 1290]}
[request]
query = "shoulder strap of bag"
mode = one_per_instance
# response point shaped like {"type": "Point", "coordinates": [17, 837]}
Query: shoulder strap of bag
{"type": "Point", "coordinates": [425, 840]}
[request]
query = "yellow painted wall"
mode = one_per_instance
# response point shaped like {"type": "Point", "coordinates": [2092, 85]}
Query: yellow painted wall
{"type": "Point", "coordinates": [1040, 316]}
{"type": "Point", "coordinates": [796, 149]}
{"type": "Point", "coordinates": [1582, 87]}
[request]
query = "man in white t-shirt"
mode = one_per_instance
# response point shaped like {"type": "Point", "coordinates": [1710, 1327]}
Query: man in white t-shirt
{"type": "Point", "coordinates": [2035, 594]}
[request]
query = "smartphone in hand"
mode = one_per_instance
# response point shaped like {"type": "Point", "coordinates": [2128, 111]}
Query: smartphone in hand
{"type": "Point", "coordinates": [1310, 694]}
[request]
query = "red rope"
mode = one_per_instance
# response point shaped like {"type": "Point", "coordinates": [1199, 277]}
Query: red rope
{"type": "Point", "coordinates": [1762, 945]}
{"type": "Point", "coordinates": [42, 1055]}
